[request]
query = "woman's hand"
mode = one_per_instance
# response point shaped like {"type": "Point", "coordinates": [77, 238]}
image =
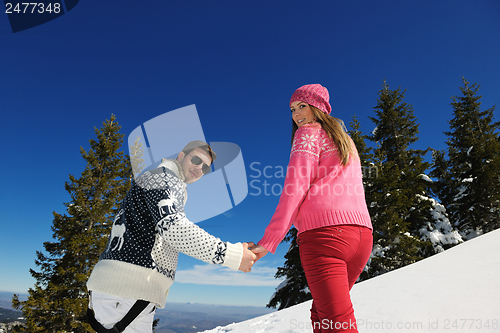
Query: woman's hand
{"type": "Point", "coordinates": [258, 250]}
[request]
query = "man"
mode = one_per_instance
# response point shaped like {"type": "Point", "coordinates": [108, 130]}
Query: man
{"type": "Point", "coordinates": [138, 266]}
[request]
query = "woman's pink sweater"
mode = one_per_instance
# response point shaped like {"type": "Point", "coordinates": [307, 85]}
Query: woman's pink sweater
{"type": "Point", "coordinates": [318, 190]}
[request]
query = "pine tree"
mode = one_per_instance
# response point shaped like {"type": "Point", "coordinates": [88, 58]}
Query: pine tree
{"type": "Point", "coordinates": [294, 289]}
{"type": "Point", "coordinates": [369, 170]}
{"type": "Point", "coordinates": [364, 151]}
{"type": "Point", "coordinates": [469, 177]}
{"type": "Point", "coordinates": [397, 195]}
{"type": "Point", "coordinates": [440, 171]}
{"type": "Point", "coordinates": [58, 301]}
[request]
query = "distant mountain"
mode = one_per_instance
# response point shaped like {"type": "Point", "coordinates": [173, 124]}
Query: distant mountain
{"type": "Point", "coordinates": [8, 315]}
{"type": "Point", "coordinates": [175, 317]}
{"type": "Point", "coordinates": [214, 309]}
{"type": "Point", "coordinates": [192, 317]}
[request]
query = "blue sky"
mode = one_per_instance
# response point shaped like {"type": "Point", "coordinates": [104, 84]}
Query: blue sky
{"type": "Point", "coordinates": [238, 63]}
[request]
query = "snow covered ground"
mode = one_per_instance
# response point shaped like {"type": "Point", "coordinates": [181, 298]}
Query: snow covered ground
{"type": "Point", "coordinates": [454, 291]}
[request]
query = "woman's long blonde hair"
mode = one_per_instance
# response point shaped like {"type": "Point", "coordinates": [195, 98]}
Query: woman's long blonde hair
{"type": "Point", "coordinates": [336, 131]}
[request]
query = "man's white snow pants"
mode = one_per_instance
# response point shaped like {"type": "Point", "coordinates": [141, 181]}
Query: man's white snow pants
{"type": "Point", "coordinates": [110, 309]}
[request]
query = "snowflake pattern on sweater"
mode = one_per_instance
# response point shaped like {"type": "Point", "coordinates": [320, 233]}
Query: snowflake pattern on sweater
{"type": "Point", "coordinates": [151, 227]}
{"type": "Point", "coordinates": [313, 143]}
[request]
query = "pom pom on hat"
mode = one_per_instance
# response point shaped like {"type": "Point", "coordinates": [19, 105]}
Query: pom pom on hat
{"type": "Point", "coordinates": [315, 95]}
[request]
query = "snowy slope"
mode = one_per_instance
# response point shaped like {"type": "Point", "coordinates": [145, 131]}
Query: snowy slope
{"type": "Point", "coordinates": [455, 291]}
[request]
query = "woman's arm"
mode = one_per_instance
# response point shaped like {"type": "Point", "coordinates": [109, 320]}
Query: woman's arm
{"type": "Point", "coordinates": [301, 171]}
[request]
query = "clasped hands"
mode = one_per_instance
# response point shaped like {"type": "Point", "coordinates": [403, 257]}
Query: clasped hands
{"type": "Point", "coordinates": [251, 253]}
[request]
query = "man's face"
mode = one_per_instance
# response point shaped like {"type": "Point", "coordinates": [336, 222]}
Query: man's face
{"type": "Point", "coordinates": [193, 172]}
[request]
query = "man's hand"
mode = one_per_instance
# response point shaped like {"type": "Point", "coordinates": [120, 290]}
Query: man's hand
{"type": "Point", "coordinates": [248, 259]}
{"type": "Point", "coordinates": [258, 250]}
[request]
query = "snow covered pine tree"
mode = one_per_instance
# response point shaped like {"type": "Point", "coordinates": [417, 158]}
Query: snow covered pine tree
{"type": "Point", "coordinates": [407, 225]}
{"type": "Point", "coordinates": [469, 176]}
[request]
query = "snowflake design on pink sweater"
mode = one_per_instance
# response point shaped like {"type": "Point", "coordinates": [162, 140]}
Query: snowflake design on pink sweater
{"type": "Point", "coordinates": [325, 143]}
{"type": "Point", "coordinates": [308, 141]}
{"type": "Point", "coordinates": [311, 143]}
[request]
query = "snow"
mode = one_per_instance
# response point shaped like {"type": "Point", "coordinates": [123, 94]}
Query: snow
{"type": "Point", "coordinates": [463, 189]}
{"type": "Point", "coordinates": [453, 291]}
{"type": "Point", "coordinates": [426, 178]}
{"type": "Point", "coordinates": [440, 232]}
{"type": "Point", "coordinates": [469, 234]}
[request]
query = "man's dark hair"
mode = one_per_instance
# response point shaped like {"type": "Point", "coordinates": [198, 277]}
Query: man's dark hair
{"type": "Point", "coordinates": [202, 145]}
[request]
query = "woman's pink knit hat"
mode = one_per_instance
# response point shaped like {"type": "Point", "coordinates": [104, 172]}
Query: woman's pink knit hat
{"type": "Point", "coordinates": [313, 94]}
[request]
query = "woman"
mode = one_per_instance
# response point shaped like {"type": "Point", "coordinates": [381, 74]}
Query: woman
{"type": "Point", "coordinates": [323, 197]}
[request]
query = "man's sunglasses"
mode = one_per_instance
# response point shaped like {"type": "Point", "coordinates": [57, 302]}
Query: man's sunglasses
{"type": "Point", "coordinates": [195, 160]}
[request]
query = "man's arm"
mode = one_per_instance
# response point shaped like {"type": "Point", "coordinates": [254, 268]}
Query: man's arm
{"type": "Point", "coordinates": [164, 198]}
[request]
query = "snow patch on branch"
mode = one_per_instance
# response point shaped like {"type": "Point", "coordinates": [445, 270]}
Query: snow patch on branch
{"type": "Point", "coordinates": [439, 232]}
{"type": "Point", "coordinates": [426, 178]}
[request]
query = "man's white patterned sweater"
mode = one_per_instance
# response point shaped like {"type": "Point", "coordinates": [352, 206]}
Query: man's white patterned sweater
{"type": "Point", "coordinates": [149, 231]}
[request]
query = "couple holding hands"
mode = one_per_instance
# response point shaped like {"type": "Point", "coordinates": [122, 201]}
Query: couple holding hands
{"type": "Point", "coordinates": [333, 224]}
